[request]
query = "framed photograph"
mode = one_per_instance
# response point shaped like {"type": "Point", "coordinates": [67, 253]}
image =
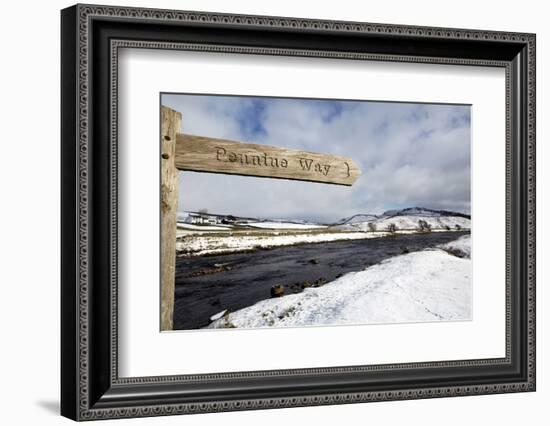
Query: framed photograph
{"type": "Point", "coordinates": [263, 212]}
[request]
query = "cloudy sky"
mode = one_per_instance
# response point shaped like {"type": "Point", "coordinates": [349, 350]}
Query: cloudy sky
{"type": "Point", "coordinates": [409, 154]}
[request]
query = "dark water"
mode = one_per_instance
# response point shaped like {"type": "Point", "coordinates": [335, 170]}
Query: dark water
{"type": "Point", "coordinates": [207, 285]}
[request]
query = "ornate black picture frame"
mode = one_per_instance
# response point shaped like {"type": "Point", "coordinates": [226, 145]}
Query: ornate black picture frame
{"type": "Point", "coordinates": [91, 387]}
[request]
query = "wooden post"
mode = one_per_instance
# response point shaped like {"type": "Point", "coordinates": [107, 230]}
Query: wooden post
{"type": "Point", "coordinates": [169, 187]}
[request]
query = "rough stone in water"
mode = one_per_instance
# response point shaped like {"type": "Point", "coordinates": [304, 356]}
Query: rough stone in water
{"type": "Point", "coordinates": [277, 290]}
{"type": "Point", "coordinates": [306, 284]}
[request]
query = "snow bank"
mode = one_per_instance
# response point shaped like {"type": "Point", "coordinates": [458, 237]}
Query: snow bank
{"type": "Point", "coordinates": [199, 242]}
{"type": "Point", "coordinates": [430, 285]}
{"type": "Point", "coordinates": [198, 245]}
{"type": "Point", "coordinates": [461, 247]}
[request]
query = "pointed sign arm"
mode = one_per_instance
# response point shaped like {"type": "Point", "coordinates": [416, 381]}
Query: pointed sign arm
{"type": "Point", "coordinates": [204, 154]}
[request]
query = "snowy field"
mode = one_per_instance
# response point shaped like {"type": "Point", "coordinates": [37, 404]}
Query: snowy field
{"type": "Point", "coordinates": [206, 242]}
{"type": "Point", "coordinates": [202, 228]}
{"type": "Point", "coordinates": [430, 285]}
{"type": "Point", "coordinates": [252, 225]}
{"type": "Point", "coordinates": [282, 225]}
{"type": "Point", "coordinates": [209, 243]}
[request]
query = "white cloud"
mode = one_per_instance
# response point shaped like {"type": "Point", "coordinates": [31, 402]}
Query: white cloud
{"type": "Point", "coordinates": [410, 155]}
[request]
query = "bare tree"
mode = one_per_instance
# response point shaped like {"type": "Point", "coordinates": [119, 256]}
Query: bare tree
{"type": "Point", "coordinates": [424, 226]}
{"type": "Point", "coordinates": [372, 227]}
{"type": "Point", "coordinates": [392, 227]}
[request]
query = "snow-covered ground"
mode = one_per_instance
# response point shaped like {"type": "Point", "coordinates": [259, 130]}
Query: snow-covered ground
{"type": "Point", "coordinates": [430, 285]}
{"type": "Point", "coordinates": [199, 242]}
{"type": "Point", "coordinates": [208, 243]}
{"type": "Point", "coordinates": [462, 247]}
{"type": "Point", "coordinates": [284, 225]}
{"type": "Point", "coordinates": [203, 228]}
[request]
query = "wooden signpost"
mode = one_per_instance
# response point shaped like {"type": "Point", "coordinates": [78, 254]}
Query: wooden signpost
{"type": "Point", "coordinates": [204, 154]}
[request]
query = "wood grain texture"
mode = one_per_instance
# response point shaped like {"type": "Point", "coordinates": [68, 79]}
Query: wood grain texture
{"type": "Point", "coordinates": [170, 125]}
{"type": "Point", "coordinates": [203, 154]}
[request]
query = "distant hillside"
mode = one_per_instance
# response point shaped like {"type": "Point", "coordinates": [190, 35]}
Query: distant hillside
{"type": "Point", "coordinates": [406, 219]}
{"type": "Point", "coordinates": [422, 211]}
{"type": "Point", "coordinates": [202, 220]}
